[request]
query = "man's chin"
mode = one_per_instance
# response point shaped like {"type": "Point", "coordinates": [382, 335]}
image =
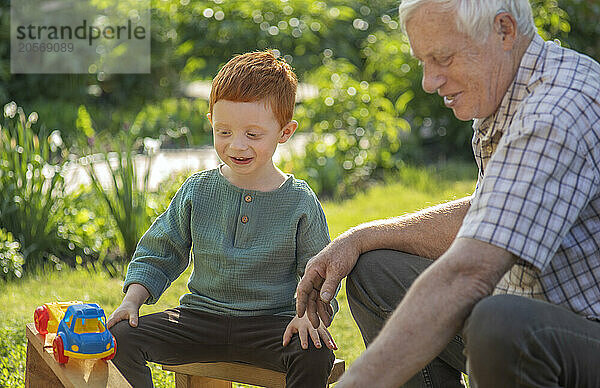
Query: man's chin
{"type": "Point", "coordinates": [462, 116]}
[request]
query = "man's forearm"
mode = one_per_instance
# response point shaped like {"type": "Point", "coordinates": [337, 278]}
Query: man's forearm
{"type": "Point", "coordinates": [427, 233]}
{"type": "Point", "coordinates": [432, 312]}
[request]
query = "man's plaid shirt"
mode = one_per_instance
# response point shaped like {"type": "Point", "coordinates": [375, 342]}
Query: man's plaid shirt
{"type": "Point", "coordinates": [537, 194]}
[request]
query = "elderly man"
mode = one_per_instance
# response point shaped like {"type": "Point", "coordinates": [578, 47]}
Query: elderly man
{"type": "Point", "coordinates": [529, 235]}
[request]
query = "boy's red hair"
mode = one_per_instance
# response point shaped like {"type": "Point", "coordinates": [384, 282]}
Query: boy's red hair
{"type": "Point", "coordinates": [257, 76]}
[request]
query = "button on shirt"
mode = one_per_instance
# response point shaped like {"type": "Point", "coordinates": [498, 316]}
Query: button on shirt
{"type": "Point", "coordinates": [537, 193]}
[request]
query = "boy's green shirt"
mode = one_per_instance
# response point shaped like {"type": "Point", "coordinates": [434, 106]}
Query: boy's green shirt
{"type": "Point", "coordinates": [249, 248]}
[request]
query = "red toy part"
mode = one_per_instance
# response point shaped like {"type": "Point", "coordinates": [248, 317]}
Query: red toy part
{"type": "Point", "coordinates": [110, 357]}
{"type": "Point", "coordinates": [41, 316]}
{"type": "Point", "coordinates": [59, 350]}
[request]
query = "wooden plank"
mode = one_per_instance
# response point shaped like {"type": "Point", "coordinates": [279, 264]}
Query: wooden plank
{"type": "Point", "coordinates": [242, 373]}
{"type": "Point", "coordinates": [186, 381]}
{"type": "Point", "coordinates": [206, 382]}
{"type": "Point", "coordinates": [231, 371]}
{"type": "Point", "coordinates": [339, 367]}
{"type": "Point", "coordinates": [76, 373]}
{"type": "Point", "coordinates": [37, 373]}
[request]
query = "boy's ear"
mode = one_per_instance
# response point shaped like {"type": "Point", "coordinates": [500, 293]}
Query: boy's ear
{"type": "Point", "coordinates": [209, 117]}
{"type": "Point", "coordinates": [287, 131]}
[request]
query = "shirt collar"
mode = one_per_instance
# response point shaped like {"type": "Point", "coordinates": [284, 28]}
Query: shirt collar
{"type": "Point", "coordinates": [517, 90]}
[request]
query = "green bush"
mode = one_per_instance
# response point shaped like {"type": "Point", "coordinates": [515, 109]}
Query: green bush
{"type": "Point", "coordinates": [435, 134]}
{"type": "Point", "coordinates": [371, 118]}
{"type": "Point", "coordinates": [89, 221]}
{"type": "Point", "coordinates": [32, 193]}
{"type": "Point", "coordinates": [126, 199]}
{"type": "Point", "coordinates": [363, 129]}
{"type": "Point", "coordinates": [11, 260]}
{"type": "Point", "coordinates": [160, 200]}
{"type": "Point", "coordinates": [93, 221]}
{"type": "Point", "coordinates": [355, 131]}
{"type": "Point", "coordinates": [573, 22]}
{"type": "Point", "coordinates": [191, 39]}
{"type": "Point", "coordinates": [13, 352]}
{"type": "Point", "coordinates": [90, 226]}
{"type": "Point", "coordinates": [177, 122]}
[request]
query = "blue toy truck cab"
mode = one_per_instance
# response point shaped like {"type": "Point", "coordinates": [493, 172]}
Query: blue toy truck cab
{"type": "Point", "coordinates": [82, 333]}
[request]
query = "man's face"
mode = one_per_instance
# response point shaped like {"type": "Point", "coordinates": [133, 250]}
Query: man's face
{"type": "Point", "coordinates": [472, 77]}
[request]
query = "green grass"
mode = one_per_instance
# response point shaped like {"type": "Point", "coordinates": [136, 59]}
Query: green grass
{"type": "Point", "coordinates": [411, 190]}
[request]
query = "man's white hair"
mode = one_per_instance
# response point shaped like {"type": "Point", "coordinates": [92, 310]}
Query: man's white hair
{"type": "Point", "coordinates": [476, 17]}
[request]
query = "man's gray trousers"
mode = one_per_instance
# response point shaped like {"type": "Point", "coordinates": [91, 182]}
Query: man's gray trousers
{"type": "Point", "coordinates": [507, 341]}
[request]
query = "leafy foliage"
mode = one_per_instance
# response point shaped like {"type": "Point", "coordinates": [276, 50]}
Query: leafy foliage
{"type": "Point", "coordinates": [126, 194]}
{"type": "Point", "coordinates": [11, 260]}
{"type": "Point", "coordinates": [370, 119]}
{"type": "Point", "coordinates": [363, 128]}
{"type": "Point", "coordinates": [32, 193]}
{"type": "Point", "coordinates": [93, 225]}
{"type": "Point", "coordinates": [13, 347]}
{"type": "Point", "coordinates": [356, 135]}
{"type": "Point", "coordinates": [90, 221]}
{"type": "Point", "coordinates": [176, 122]}
{"type": "Point", "coordinates": [573, 22]}
{"type": "Point", "coordinates": [192, 38]}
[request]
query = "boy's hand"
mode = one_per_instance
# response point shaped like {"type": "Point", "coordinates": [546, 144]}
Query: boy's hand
{"type": "Point", "coordinates": [127, 310]}
{"type": "Point", "coordinates": [304, 328]}
{"type": "Point", "coordinates": [130, 306]}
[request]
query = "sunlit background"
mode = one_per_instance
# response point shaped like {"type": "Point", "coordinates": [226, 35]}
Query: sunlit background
{"type": "Point", "coordinates": [67, 140]}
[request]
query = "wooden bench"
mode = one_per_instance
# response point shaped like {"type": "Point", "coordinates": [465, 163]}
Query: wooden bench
{"type": "Point", "coordinates": [221, 374]}
{"type": "Point", "coordinates": [43, 371]}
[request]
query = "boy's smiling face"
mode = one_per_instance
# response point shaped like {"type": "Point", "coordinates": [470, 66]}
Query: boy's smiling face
{"type": "Point", "coordinates": [246, 135]}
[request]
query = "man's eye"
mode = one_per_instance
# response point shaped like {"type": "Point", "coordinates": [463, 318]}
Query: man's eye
{"type": "Point", "coordinates": [252, 134]}
{"type": "Point", "coordinates": [444, 61]}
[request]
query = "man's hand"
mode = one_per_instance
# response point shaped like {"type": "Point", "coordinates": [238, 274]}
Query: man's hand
{"type": "Point", "coordinates": [304, 328]}
{"type": "Point", "coordinates": [322, 276]}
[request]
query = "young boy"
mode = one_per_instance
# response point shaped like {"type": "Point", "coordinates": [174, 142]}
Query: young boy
{"type": "Point", "coordinates": [249, 230]}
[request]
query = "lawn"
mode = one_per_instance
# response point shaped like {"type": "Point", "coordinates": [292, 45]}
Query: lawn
{"type": "Point", "coordinates": [411, 190]}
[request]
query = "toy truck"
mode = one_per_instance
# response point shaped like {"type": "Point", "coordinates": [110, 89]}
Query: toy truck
{"type": "Point", "coordinates": [82, 333]}
{"type": "Point", "coordinates": [48, 315]}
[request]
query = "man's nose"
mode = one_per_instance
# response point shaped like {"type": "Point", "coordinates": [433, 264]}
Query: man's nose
{"type": "Point", "coordinates": [433, 78]}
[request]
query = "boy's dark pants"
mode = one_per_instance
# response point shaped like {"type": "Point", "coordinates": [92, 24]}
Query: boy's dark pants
{"type": "Point", "coordinates": [183, 335]}
{"type": "Point", "coordinates": [509, 341]}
